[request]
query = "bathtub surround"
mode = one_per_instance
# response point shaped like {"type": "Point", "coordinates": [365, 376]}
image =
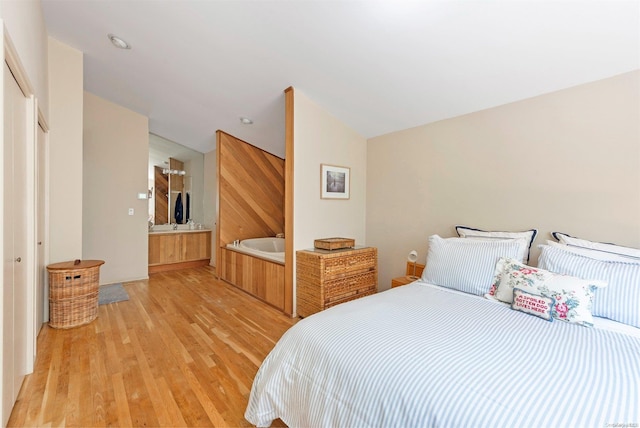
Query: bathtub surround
{"type": "Point", "coordinates": [250, 191]}
{"type": "Point", "coordinates": [250, 205]}
{"type": "Point", "coordinates": [257, 276]}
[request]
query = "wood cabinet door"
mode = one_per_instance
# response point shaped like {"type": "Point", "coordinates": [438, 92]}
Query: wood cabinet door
{"type": "Point", "coordinates": [197, 246]}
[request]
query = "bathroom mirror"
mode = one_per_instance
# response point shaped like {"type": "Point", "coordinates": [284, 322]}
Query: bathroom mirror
{"type": "Point", "coordinates": [176, 177]}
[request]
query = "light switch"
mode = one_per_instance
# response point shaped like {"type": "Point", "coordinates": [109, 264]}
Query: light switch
{"type": "Point", "coordinates": [130, 211]}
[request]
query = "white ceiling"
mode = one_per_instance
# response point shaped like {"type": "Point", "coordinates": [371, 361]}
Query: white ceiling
{"type": "Point", "coordinates": [378, 66]}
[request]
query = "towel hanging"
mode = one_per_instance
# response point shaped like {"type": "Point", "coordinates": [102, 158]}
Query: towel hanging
{"type": "Point", "coordinates": [177, 212]}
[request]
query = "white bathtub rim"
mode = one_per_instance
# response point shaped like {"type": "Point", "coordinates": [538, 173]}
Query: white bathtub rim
{"type": "Point", "coordinates": [273, 257]}
{"type": "Point", "coordinates": [269, 245]}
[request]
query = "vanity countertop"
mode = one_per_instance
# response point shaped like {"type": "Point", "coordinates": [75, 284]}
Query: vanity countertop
{"type": "Point", "coordinates": [166, 232]}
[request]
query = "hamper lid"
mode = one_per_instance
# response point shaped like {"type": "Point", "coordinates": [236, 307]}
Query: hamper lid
{"type": "Point", "coordinates": [84, 264]}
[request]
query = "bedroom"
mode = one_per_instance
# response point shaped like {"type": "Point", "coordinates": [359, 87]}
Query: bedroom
{"type": "Point", "coordinates": [397, 210]}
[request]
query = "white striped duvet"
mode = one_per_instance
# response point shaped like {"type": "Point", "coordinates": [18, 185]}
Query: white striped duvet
{"type": "Point", "coordinates": [418, 356]}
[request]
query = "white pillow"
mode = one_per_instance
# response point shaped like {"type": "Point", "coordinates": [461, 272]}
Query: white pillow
{"type": "Point", "coordinates": [573, 297]}
{"type": "Point", "coordinates": [620, 301]}
{"type": "Point", "coordinates": [593, 254]}
{"type": "Point", "coordinates": [529, 235]}
{"type": "Point", "coordinates": [599, 250]}
{"type": "Point", "coordinates": [466, 264]}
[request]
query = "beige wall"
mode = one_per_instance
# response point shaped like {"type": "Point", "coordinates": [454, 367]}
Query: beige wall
{"type": "Point", "coordinates": [116, 156]}
{"type": "Point", "coordinates": [65, 154]}
{"type": "Point", "coordinates": [567, 161]}
{"type": "Point", "coordinates": [24, 22]}
{"type": "Point", "coordinates": [321, 138]}
{"type": "Point", "coordinates": [210, 199]}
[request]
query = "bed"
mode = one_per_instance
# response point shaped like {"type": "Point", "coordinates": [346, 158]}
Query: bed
{"type": "Point", "coordinates": [427, 355]}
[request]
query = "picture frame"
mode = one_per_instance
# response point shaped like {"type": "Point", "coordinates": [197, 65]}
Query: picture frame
{"type": "Point", "coordinates": [335, 182]}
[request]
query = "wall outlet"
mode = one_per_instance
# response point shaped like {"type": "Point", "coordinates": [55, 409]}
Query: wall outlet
{"type": "Point", "coordinates": [130, 211]}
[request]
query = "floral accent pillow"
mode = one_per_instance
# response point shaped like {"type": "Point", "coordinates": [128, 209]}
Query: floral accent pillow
{"type": "Point", "coordinates": [533, 304]}
{"type": "Point", "coordinates": [510, 274]}
{"type": "Point", "coordinates": [573, 297]}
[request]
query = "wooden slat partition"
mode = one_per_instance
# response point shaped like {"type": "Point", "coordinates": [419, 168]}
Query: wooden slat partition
{"type": "Point", "coordinates": [161, 183]}
{"type": "Point", "coordinates": [250, 192]}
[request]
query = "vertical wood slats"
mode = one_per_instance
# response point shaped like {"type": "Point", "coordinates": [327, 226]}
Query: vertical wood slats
{"type": "Point", "coordinates": [261, 278]}
{"type": "Point", "coordinates": [250, 193]}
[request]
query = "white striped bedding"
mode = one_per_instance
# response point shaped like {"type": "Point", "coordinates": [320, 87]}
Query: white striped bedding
{"type": "Point", "coordinates": [419, 355]}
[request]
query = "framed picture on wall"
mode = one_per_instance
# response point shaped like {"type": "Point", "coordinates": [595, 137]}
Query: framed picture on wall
{"type": "Point", "coordinates": [335, 182]}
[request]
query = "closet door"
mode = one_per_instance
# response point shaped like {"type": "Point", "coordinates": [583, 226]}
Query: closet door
{"type": "Point", "coordinates": [15, 309]}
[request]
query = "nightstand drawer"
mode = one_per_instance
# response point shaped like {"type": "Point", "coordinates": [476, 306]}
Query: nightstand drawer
{"type": "Point", "coordinates": [402, 280]}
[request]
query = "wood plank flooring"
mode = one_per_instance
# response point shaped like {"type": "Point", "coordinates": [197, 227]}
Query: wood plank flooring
{"type": "Point", "coordinates": [182, 351]}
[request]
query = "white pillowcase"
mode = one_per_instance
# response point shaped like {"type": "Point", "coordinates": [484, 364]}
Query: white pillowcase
{"type": "Point", "coordinates": [593, 254]}
{"type": "Point", "coordinates": [466, 264]}
{"type": "Point", "coordinates": [529, 236]}
{"type": "Point", "coordinates": [620, 301]}
{"type": "Point", "coordinates": [598, 250]}
{"type": "Point", "coordinates": [573, 297]}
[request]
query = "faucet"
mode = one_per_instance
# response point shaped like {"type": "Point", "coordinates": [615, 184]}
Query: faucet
{"type": "Point", "coordinates": [175, 226]}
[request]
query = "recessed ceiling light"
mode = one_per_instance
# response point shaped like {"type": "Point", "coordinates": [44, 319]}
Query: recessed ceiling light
{"type": "Point", "coordinates": [246, 121]}
{"type": "Point", "coordinates": [118, 42]}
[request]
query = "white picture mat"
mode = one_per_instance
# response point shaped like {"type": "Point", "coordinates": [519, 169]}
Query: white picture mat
{"type": "Point", "coordinates": [335, 182]}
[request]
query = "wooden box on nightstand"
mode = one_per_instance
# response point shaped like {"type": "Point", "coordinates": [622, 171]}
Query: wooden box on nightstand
{"type": "Point", "coordinates": [404, 280]}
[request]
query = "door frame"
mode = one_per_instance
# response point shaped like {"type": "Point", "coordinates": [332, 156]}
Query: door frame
{"type": "Point", "coordinates": [41, 212]}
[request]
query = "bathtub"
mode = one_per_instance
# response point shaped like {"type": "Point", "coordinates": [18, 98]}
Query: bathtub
{"type": "Point", "coordinates": [266, 248]}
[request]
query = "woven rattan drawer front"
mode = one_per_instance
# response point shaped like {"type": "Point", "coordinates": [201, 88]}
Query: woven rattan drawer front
{"type": "Point", "coordinates": [328, 265]}
{"type": "Point", "coordinates": [341, 266]}
{"type": "Point", "coordinates": [342, 288]}
{"type": "Point", "coordinates": [327, 278]}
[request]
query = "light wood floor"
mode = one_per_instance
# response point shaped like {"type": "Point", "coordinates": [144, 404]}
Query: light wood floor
{"type": "Point", "coordinates": [182, 351]}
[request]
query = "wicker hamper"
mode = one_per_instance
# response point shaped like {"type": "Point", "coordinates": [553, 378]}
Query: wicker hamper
{"type": "Point", "coordinates": [73, 292]}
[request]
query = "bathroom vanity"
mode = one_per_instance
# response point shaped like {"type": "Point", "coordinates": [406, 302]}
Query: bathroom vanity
{"type": "Point", "coordinates": [178, 249]}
